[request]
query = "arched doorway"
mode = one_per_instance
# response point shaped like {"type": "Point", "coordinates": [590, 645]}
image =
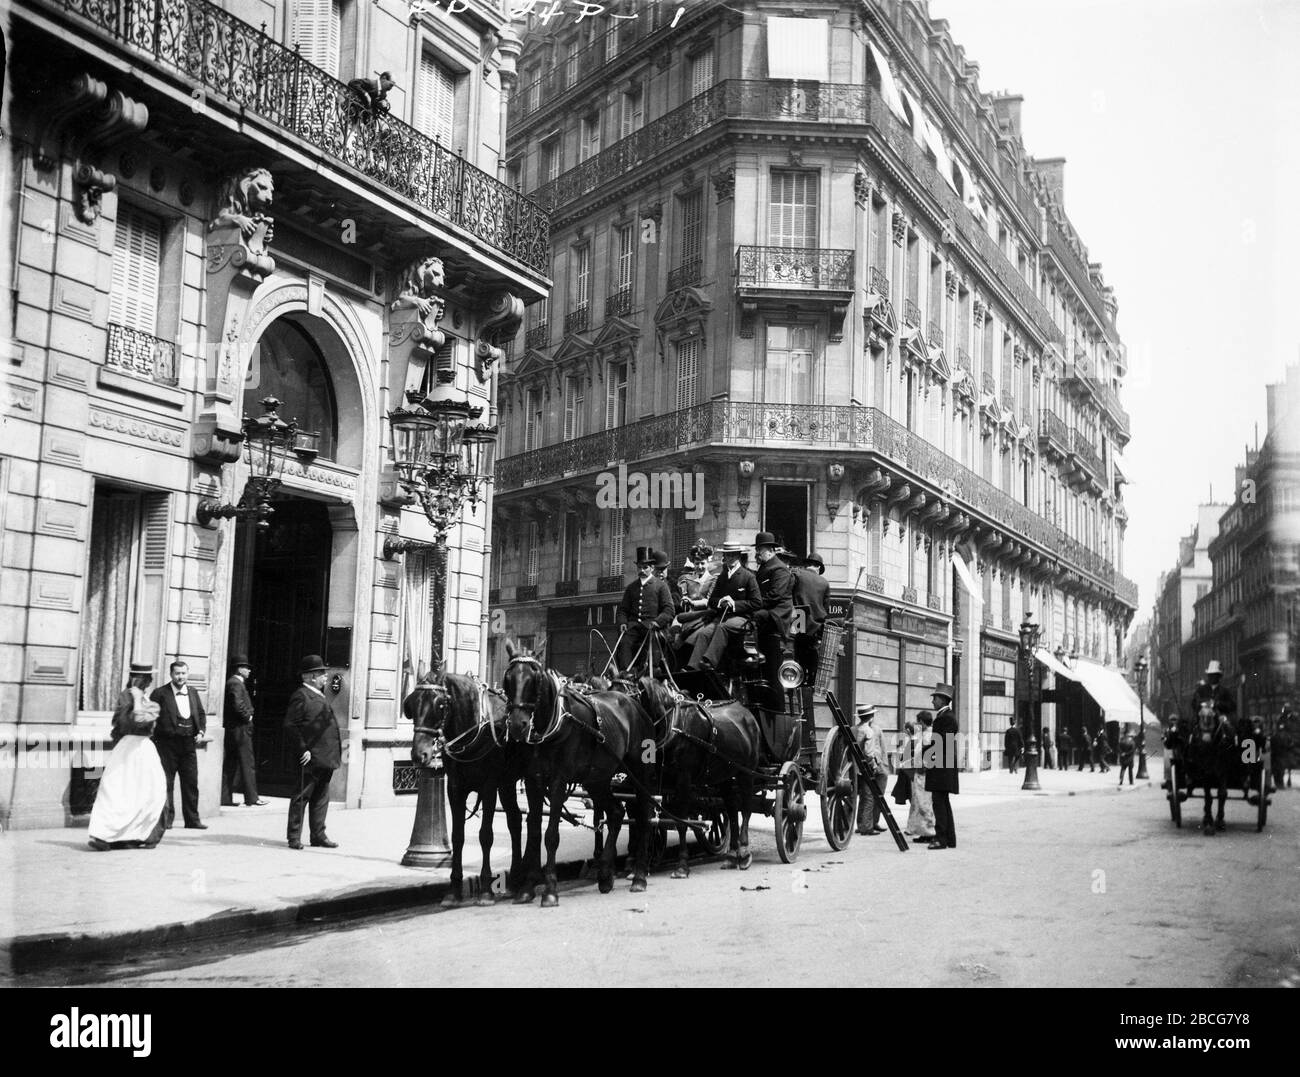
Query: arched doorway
{"type": "Point", "coordinates": [284, 590]}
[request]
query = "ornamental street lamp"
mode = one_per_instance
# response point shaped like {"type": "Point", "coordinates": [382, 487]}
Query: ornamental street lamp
{"type": "Point", "coordinates": [442, 463]}
{"type": "Point", "coordinates": [268, 440]}
{"type": "Point", "coordinates": [1029, 633]}
{"type": "Point", "coordinates": [1140, 668]}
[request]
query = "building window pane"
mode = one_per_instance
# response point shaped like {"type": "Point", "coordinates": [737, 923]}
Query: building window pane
{"type": "Point", "coordinates": [792, 220]}
{"type": "Point", "coordinates": [137, 257]}
{"type": "Point", "coordinates": [788, 363]}
{"type": "Point", "coordinates": [575, 407]}
{"type": "Point", "coordinates": [615, 395]}
{"type": "Point", "coordinates": [688, 352]}
{"type": "Point", "coordinates": [701, 72]}
{"type": "Point", "coordinates": [436, 99]}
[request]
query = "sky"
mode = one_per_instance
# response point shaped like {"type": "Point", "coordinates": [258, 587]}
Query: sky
{"type": "Point", "coordinates": [1180, 124]}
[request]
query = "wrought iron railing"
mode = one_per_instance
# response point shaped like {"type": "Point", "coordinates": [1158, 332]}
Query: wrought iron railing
{"type": "Point", "coordinates": [1008, 400]}
{"type": "Point", "coordinates": [794, 267]}
{"type": "Point", "coordinates": [254, 73]}
{"type": "Point", "coordinates": [605, 584]}
{"type": "Point", "coordinates": [877, 282]}
{"type": "Point", "coordinates": [934, 334]}
{"type": "Point", "coordinates": [1076, 268]}
{"type": "Point", "coordinates": [539, 336]}
{"type": "Point", "coordinates": [577, 320]}
{"type": "Point", "coordinates": [567, 588]}
{"type": "Point", "coordinates": [842, 427]}
{"type": "Point", "coordinates": [686, 274]}
{"type": "Point", "coordinates": [963, 360]}
{"type": "Point", "coordinates": [987, 382]}
{"type": "Point", "coordinates": [912, 314]}
{"type": "Point", "coordinates": [618, 303]}
{"type": "Point", "coordinates": [526, 592]}
{"type": "Point", "coordinates": [141, 355]}
{"type": "Point", "coordinates": [1110, 401]}
{"type": "Point", "coordinates": [1084, 450]}
{"type": "Point", "coordinates": [1053, 427]}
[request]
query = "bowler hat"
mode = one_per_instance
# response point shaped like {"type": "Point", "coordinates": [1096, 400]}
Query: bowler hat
{"type": "Point", "coordinates": [644, 555]}
{"type": "Point", "coordinates": [240, 660]}
{"type": "Point", "coordinates": [660, 558]}
{"type": "Point", "coordinates": [943, 689]}
{"type": "Point", "coordinates": [141, 669]}
{"type": "Point", "coordinates": [765, 538]}
{"type": "Point", "coordinates": [815, 559]}
{"type": "Point", "coordinates": [313, 663]}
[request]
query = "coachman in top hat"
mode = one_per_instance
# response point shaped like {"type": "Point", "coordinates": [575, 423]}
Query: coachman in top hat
{"type": "Point", "coordinates": [647, 605]}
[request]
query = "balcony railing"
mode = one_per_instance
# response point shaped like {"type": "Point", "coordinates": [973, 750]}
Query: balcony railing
{"type": "Point", "coordinates": [686, 274]}
{"type": "Point", "coordinates": [963, 360]}
{"type": "Point", "coordinates": [210, 48]}
{"type": "Point", "coordinates": [539, 336]}
{"type": "Point", "coordinates": [618, 303]}
{"type": "Point", "coordinates": [987, 382]}
{"type": "Point", "coordinates": [1052, 427]}
{"type": "Point", "coordinates": [835, 427]}
{"type": "Point", "coordinates": [141, 355]}
{"type": "Point", "coordinates": [1084, 450]}
{"type": "Point", "coordinates": [794, 267]}
{"type": "Point", "coordinates": [1110, 401]}
{"type": "Point", "coordinates": [934, 334]}
{"type": "Point", "coordinates": [577, 320]}
{"type": "Point", "coordinates": [877, 282]}
{"type": "Point", "coordinates": [1076, 269]}
{"type": "Point", "coordinates": [912, 314]}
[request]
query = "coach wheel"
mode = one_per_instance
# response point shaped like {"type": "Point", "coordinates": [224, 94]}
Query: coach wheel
{"type": "Point", "coordinates": [1175, 804]}
{"type": "Point", "coordinates": [837, 788]}
{"type": "Point", "coordinates": [1261, 787]}
{"type": "Point", "coordinates": [717, 836]}
{"type": "Point", "coordinates": [789, 812]}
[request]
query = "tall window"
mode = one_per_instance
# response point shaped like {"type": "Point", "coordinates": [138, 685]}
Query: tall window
{"type": "Point", "coordinates": [701, 72]}
{"type": "Point", "coordinates": [572, 547]}
{"type": "Point", "coordinates": [125, 590]}
{"type": "Point", "coordinates": [615, 395]}
{"type": "Point", "coordinates": [632, 114]}
{"type": "Point", "coordinates": [792, 218]}
{"type": "Point", "coordinates": [688, 358]}
{"type": "Point", "coordinates": [614, 548]}
{"type": "Point", "coordinates": [435, 112]}
{"type": "Point", "coordinates": [914, 268]}
{"type": "Point", "coordinates": [533, 420]}
{"type": "Point", "coordinates": [788, 363]}
{"type": "Point", "coordinates": [625, 247]}
{"type": "Point", "coordinates": [533, 554]}
{"type": "Point", "coordinates": [575, 407]}
{"type": "Point", "coordinates": [550, 159]}
{"type": "Point", "coordinates": [611, 39]}
{"type": "Point", "coordinates": [690, 205]}
{"type": "Point", "coordinates": [532, 88]}
{"type": "Point", "coordinates": [934, 298]}
{"type": "Point", "coordinates": [318, 33]}
{"type": "Point", "coordinates": [571, 63]}
{"type": "Point", "coordinates": [137, 258]}
{"type": "Point", "coordinates": [880, 236]}
{"type": "Point", "coordinates": [581, 277]}
{"type": "Point", "coordinates": [1007, 383]}
{"type": "Point", "coordinates": [589, 144]}
{"type": "Point", "coordinates": [987, 358]}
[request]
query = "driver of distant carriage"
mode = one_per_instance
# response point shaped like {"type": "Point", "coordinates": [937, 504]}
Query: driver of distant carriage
{"type": "Point", "coordinates": [647, 604]}
{"type": "Point", "coordinates": [772, 619]}
{"type": "Point", "coordinates": [1211, 690]}
{"type": "Point", "coordinates": [734, 597]}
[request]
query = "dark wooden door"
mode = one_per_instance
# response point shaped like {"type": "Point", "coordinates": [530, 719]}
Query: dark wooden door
{"type": "Point", "coordinates": [290, 592]}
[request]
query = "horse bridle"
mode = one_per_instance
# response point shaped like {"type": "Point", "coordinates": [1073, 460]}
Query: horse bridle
{"type": "Point", "coordinates": [441, 744]}
{"type": "Point", "coordinates": [559, 711]}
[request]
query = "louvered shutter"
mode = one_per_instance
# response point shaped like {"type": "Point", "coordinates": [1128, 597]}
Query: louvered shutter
{"type": "Point", "coordinates": [616, 542]}
{"type": "Point", "coordinates": [687, 373]}
{"type": "Point", "coordinates": [582, 278]}
{"type": "Point", "coordinates": [150, 611]}
{"type": "Point", "coordinates": [534, 552]}
{"type": "Point", "coordinates": [701, 72]}
{"type": "Point", "coordinates": [793, 218]}
{"type": "Point", "coordinates": [137, 253]}
{"type": "Point", "coordinates": [690, 207]}
{"type": "Point", "coordinates": [318, 31]}
{"type": "Point", "coordinates": [625, 255]}
{"type": "Point", "coordinates": [436, 106]}
{"type": "Point", "coordinates": [615, 395]}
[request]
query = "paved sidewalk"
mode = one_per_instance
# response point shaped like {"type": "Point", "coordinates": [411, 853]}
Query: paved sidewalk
{"type": "Point", "coordinates": [61, 902]}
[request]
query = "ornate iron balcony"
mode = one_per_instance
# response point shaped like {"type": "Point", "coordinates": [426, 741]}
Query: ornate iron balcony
{"type": "Point", "coordinates": [539, 336]}
{"type": "Point", "coordinates": [566, 588]}
{"type": "Point", "coordinates": [794, 267]}
{"type": "Point", "coordinates": [987, 382]}
{"type": "Point", "coordinates": [686, 274]}
{"type": "Point", "coordinates": [963, 360]}
{"type": "Point", "coordinates": [912, 314]}
{"type": "Point", "coordinates": [141, 355]}
{"type": "Point", "coordinates": [934, 334]}
{"type": "Point", "coordinates": [877, 282]}
{"type": "Point", "coordinates": [618, 303]}
{"type": "Point", "coordinates": [252, 72]}
{"type": "Point", "coordinates": [1052, 429]}
{"type": "Point", "coordinates": [577, 320]}
{"type": "Point", "coordinates": [1083, 449]}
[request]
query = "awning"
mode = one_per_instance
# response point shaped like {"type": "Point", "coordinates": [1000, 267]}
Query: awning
{"type": "Point", "coordinates": [798, 49]}
{"type": "Point", "coordinates": [1109, 690]}
{"type": "Point", "coordinates": [967, 580]}
{"type": "Point", "coordinates": [969, 194]}
{"type": "Point", "coordinates": [888, 87]}
{"type": "Point", "coordinates": [934, 139]}
{"type": "Point", "coordinates": [918, 119]}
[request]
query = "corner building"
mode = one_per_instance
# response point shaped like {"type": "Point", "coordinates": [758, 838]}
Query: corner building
{"type": "Point", "coordinates": [802, 255]}
{"type": "Point", "coordinates": [149, 305]}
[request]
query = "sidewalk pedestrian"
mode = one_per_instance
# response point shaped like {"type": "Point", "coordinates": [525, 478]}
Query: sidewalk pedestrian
{"type": "Point", "coordinates": [871, 787]}
{"type": "Point", "coordinates": [1047, 748]}
{"type": "Point", "coordinates": [131, 802]}
{"type": "Point", "coordinates": [920, 816]}
{"type": "Point", "coordinates": [1127, 750]}
{"type": "Point", "coordinates": [1086, 750]}
{"type": "Point", "coordinates": [313, 734]}
{"type": "Point", "coordinates": [941, 767]}
{"type": "Point", "coordinates": [1100, 747]}
{"type": "Point", "coordinates": [1012, 744]}
{"type": "Point", "coordinates": [237, 721]}
{"type": "Point", "coordinates": [181, 724]}
{"type": "Point", "coordinates": [1064, 748]}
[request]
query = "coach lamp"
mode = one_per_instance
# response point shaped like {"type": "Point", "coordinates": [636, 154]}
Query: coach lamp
{"type": "Point", "coordinates": [790, 675]}
{"type": "Point", "coordinates": [268, 440]}
{"type": "Point", "coordinates": [1030, 630]}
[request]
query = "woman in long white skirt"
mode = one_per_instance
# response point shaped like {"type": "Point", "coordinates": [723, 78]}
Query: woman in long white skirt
{"type": "Point", "coordinates": [132, 795]}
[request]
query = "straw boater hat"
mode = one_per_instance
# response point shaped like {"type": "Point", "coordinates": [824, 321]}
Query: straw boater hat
{"type": "Point", "coordinates": [865, 711]}
{"type": "Point", "coordinates": [733, 547]}
{"type": "Point", "coordinates": [1214, 668]}
{"type": "Point", "coordinates": [141, 669]}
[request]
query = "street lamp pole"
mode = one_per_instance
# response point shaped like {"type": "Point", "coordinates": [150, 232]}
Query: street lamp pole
{"type": "Point", "coordinates": [1029, 633]}
{"type": "Point", "coordinates": [1140, 668]}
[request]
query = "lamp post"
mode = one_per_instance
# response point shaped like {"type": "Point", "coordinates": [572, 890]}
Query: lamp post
{"type": "Point", "coordinates": [443, 463]}
{"type": "Point", "coordinates": [1140, 668]}
{"type": "Point", "coordinates": [1029, 633]}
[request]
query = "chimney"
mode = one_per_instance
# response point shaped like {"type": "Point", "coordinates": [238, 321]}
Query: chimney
{"type": "Point", "coordinates": [1007, 108]}
{"type": "Point", "coordinates": [1052, 169]}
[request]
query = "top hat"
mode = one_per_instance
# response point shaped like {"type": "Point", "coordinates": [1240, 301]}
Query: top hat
{"type": "Point", "coordinates": [312, 664]}
{"type": "Point", "coordinates": [765, 538]}
{"type": "Point", "coordinates": [660, 558]}
{"type": "Point", "coordinates": [733, 547]}
{"type": "Point", "coordinates": [240, 660]}
{"type": "Point", "coordinates": [141, 669]}
{"type": "Point", "coordinates": [1213, 668]}
{"type": "Point", "coordinates": [815, 559]}
{"type": "Point", "coordinates": [943, 689]}
{"type": "Point", "coordinates": [865, 711]}
{"type": "Point", "coordinates": [644, 555]}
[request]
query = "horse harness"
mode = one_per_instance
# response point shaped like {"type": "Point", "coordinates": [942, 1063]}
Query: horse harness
{"type": "Point", "coordinates": [482, 723]}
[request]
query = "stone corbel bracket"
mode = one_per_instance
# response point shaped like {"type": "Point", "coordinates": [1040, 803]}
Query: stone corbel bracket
{"type": "Point", "coordinates": [505, 312]}
{"type": "Point", "coordinates": [100, 117]}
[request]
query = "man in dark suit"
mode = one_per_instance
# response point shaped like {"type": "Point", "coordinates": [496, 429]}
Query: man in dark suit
{"type": "Point", "coordinates": [772, 618]}
{"type": "Point", "coordinates": [181, 722]}
{"type": "Point", "coordinates": [1064, 748]}
{"type": "Point", "coordinates": [647, 606]}
{"type": "Point", "coordinates": [810, 594]}
{"type": "Point", "coordinates": [313, 734]}
{"type": "Point", "coordinates": [734, 597]}
{"type": "Point", "coordinates": [940, 762]}
{"type": "Point", "coordinates": [1012, 743]}
{"type": "Point", "coordinates": [1047, 748]}
{"type": "Point", "coordinates": [237, 720]}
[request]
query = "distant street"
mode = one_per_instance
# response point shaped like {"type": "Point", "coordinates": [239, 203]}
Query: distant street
{"type": "Point", "coordinates": [1089, 890]}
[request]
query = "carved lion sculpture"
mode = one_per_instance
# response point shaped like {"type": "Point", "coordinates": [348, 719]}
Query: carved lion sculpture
{"type": "Point", "coordinates": [245, 199]}
{"type": "Point", "coordinates": [420, 285]}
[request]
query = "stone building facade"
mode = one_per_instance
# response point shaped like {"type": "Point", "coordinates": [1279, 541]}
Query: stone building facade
{"type": "Point", "coordinates": [803, 260]}
{"type": "Point", "coordinates": [208, 209]}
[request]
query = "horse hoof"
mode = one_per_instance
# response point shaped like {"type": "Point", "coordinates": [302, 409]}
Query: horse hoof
{"type": "Point", "coordinates": [1220, 825]}
{"type": "Point", "coordinates": [638, 886]}
{"type": "Point", "coordinates": [524, 897]}
{"type": "Point", "coordinates": [605, 884]}
{"type": "Point", "coordinates": [485, 901]}
{"type": "Point", "coordinates": [729, 865]}
{"type": "Point", "coordinates": [746, 858]}
{"type": "Point", "coordinates": [451, 901]}
{"type": "Point", "coordinates": [682, 872]}
{"type": "Point", "coordinates": [549, 900]}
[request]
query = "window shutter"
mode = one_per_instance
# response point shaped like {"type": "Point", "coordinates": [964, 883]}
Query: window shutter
{"type": "Point", "coordinates": [137, 254]}
{"type": "Point", "coordinates": [687, 371]}
{"type": "Point", "coordinates": [534, 552]}
{"type": "Point", "coordinates": [582, 278]}
{"type": "Point", "coordinates": [437, 100]}
{"type": "Point", "coordinates": [153, 569]}
{"type": "Point", "coordinates": [701, 72]}
{"type": "Point", "coordinates": [318, 31]}
{"type": "Point", "coordinates": [616, 542]}
{"type": "Point", "coordinates": [793, 219]}
{"type": "Point", "coordinates": [690, 207]}
{"type": "Point", "coordinates": [615, 395]}
{"type": "Point", "coordinates": [626, 251]}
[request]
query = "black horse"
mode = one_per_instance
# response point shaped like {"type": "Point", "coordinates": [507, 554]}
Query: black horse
{"type": "Point", "coordinates": [576, 736]}
{"type": "Point", "coordinates": [462, 722]}
{"type": "Point", "coordinates": [1209, 746]}
{"type": "Point", "coordinates": [712, 745]}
